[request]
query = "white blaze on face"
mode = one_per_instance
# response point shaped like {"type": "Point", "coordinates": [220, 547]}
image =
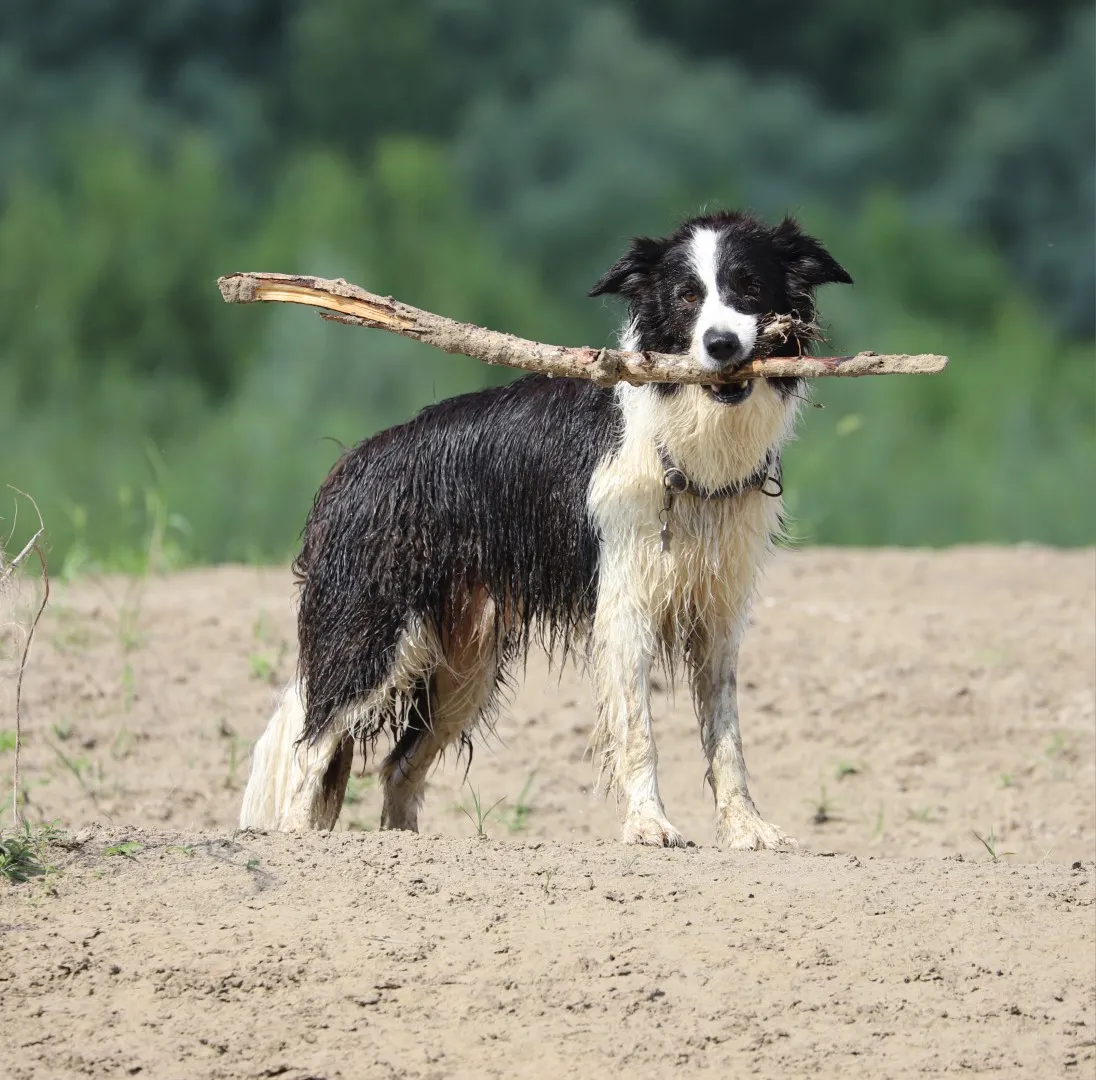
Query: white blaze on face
{"type": "Point", "coordinates": [714, 313]}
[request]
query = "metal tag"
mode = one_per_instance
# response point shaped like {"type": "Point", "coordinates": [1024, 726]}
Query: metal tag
{"type": "Point", "coordinates": [667, 505]}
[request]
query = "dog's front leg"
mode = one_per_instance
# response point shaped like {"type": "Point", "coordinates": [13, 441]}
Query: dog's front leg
{"type": "Point", "coordinates": [624, 655]}
{"type": "Point", "coordinates": [715, 687]}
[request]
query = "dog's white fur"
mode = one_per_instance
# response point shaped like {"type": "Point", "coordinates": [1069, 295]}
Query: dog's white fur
{"type": "Point", "coordinates": [696, 595]}
{"type": "Point", "coordinates": [286, 790]}
{"type": "Point", "coordinates": [714, 313]}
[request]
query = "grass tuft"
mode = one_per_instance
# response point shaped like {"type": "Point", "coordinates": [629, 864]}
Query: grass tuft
{"type": "Point", "coordinates": [23, 852]}
{"type": "Point", "coordinates": [990, 844]}
{"type": "Point", "coordinates": [516, 817]}
{"type": "Point", "coordinates": [480, 817]}
{"type": "Point", "coordinates": [823, 807]}
{"type": "Point", "coordinates": [127, 849]}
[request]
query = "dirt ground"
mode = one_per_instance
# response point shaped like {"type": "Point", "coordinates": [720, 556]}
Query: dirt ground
{"type": "Point", "coordinates": [896, 707]}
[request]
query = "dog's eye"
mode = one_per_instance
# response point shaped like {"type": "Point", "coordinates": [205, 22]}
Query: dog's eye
{"type": "Point", "coordinates": [745, 284]}
{"type": "Point", "coordinates": [689, 296]}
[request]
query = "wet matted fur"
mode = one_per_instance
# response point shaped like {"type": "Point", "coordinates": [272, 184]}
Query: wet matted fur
{"type": "Point", "coordinates": [438, 552]}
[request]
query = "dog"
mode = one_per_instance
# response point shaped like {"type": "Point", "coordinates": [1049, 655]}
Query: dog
{"type": "Point", "coordinates": [629, 523]}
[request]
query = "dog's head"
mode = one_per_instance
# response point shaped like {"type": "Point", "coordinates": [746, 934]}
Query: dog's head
{"type": "Point", "coordinates": [705, 289]}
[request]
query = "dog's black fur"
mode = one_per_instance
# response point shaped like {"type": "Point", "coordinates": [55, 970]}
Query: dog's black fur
{"type": "Point", "coordinates": [488, 490]}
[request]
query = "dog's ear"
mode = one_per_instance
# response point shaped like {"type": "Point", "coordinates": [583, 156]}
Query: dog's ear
{"type": "Point", "coordinates": [627, 275]}
{"type": "Point", "coordinates": [808, 263]}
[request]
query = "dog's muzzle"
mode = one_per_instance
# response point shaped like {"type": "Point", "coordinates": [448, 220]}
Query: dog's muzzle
{"type": "Point", "coordinates": [725, 348]}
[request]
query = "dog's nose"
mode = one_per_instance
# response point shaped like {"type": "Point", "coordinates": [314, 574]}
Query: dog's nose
{"type": "Point", "coordinates": [723, 346]}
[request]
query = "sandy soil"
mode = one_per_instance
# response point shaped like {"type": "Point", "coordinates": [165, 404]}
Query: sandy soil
{"type": "Point", "coordinates": [894, 705]}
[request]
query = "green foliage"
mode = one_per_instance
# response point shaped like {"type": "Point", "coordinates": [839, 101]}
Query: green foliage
{"type": "Point", "coordinates": [19, 860]}
{"type": "Point", "coordinates": [487, 162]}
{"type": "Point", "coordinates": [358, 52]}
{"type": "Point", "coordinates": [995, 449]}
{"type": "Point", "coordinates": [127, 849]}
{"type": "Point", "coordinates": [24, 851]}
{"type": "Point", "coordinates": [109, 273]}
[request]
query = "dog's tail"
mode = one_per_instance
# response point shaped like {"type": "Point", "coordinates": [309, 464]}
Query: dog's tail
{"type": "Point", "coordinates": [294, 784]}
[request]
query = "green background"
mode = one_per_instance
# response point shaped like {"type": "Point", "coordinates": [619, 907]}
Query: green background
{"type": "Point", "coordinates": [488, 161]}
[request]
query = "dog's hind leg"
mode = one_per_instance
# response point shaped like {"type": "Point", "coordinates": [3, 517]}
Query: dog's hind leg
{"type": "Point", "coordinates": [447, 703]}
{"type": "Point", "coordinates": [715, 690]}
{"type": "Point", "coordinates": [295, 785]}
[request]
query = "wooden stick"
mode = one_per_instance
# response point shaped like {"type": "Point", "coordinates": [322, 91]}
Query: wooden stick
{"type": "Point", "coordinates": [344, 302]}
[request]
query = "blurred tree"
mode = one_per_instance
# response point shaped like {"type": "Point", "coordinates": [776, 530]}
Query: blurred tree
{"type": "Point", "coordinates": [361, 68]}
{"type": "Point", "coordinates": [1016, 163]}
{"type": "Point", "coordinates": [975, 124]}
{"type": "Point", "coordinates": [845, 48]}
{"type": "Point", "coordinates": [113, 268]}
{"type": "Point", "coordinates": [993, 135]}
{"type": "Point", "coordinates": [160, 38]}
{"type": "Point", "coordinates": [488, 160]}
{"type": "Point", "coordinates": [625, 136]}
{"type": "Point", "coordinates": [415, 67]}
{"type": "Point", "coordinates": [995, 448]}
{"type": "Point", "coordinates": [137, 69]}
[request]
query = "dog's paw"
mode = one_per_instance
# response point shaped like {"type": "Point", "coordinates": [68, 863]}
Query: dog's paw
{"type": "Point", "coordinates": [740, 831]}
{"type": "Point", "coordinates": [650, 827]}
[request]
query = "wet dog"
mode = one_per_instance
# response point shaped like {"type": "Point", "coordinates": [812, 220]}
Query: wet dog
{"type": "Point", "coordinates": [628, 523]}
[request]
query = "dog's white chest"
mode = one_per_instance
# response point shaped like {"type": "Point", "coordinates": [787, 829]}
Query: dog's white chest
{"type": "Point", "coordinates": [715, 547]}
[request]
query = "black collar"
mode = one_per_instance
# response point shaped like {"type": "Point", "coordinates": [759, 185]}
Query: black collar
{"type": "Point", "coordinates": [676, 482]}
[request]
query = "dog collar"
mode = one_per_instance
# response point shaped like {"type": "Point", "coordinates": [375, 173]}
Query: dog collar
{"type": "Point", "coordinates": [676, 482]}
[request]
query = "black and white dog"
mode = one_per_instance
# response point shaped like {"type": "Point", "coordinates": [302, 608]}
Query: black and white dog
{"type": "Point", "coordinates": [633, 521]}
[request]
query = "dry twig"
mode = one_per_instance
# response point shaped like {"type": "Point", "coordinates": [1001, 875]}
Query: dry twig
{"type": "Point", "coordinates": [7, 574]}
{"type": "Point", "coordinates": [344, 302]}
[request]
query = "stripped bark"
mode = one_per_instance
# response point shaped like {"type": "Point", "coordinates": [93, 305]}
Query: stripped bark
{"type": "Point", "coordinates": [344, 302]}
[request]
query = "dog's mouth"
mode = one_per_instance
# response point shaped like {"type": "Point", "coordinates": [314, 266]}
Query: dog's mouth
{"type": "Point", "coordinates": [732, 393]}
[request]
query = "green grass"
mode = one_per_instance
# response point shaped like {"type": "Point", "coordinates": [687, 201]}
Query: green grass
{"type": "Point", "coordinates": [989, 842]}
{"type": "Point", "coordinates": [87, 774]}
{"type": "Point", "coordinates": [547, 875]}
{"type": "Point", "coordinates": [261, 667]}
{"type": "Point", "coordinates": [128, 682]}
{"type": "Point", "coordinates": [23, 852]}
{"type": "Point", "coordinates": [478, 815]}
{"type": "Point", "coordinates": [516, 817]}
{"type": "Point", "coordinates": [266, 662]}
{"type": "Point", "coordinates": [19, 860]}
{"type": "Point", "coordinates": [357, 787]}
{"type": "Point", "coordinates": [127, 849]}
{"type": "Point", "coordinates": [823, 807]}
{"type": "Point", "coordinates": [232, 764]}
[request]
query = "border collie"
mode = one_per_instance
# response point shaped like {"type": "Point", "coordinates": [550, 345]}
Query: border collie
{"type": "Point", "coordinates": [629, 521]}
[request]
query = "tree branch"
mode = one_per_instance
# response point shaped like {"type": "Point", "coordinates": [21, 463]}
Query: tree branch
{"type": "Point", "coordinates": [342, 301]}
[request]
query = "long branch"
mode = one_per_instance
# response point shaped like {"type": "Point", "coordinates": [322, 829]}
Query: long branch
{"type": "Point", "coordinates": [344, 302]}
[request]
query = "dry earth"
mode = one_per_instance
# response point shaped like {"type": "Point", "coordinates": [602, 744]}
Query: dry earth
{"type": "Point", "coordinates": [894, 704]}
